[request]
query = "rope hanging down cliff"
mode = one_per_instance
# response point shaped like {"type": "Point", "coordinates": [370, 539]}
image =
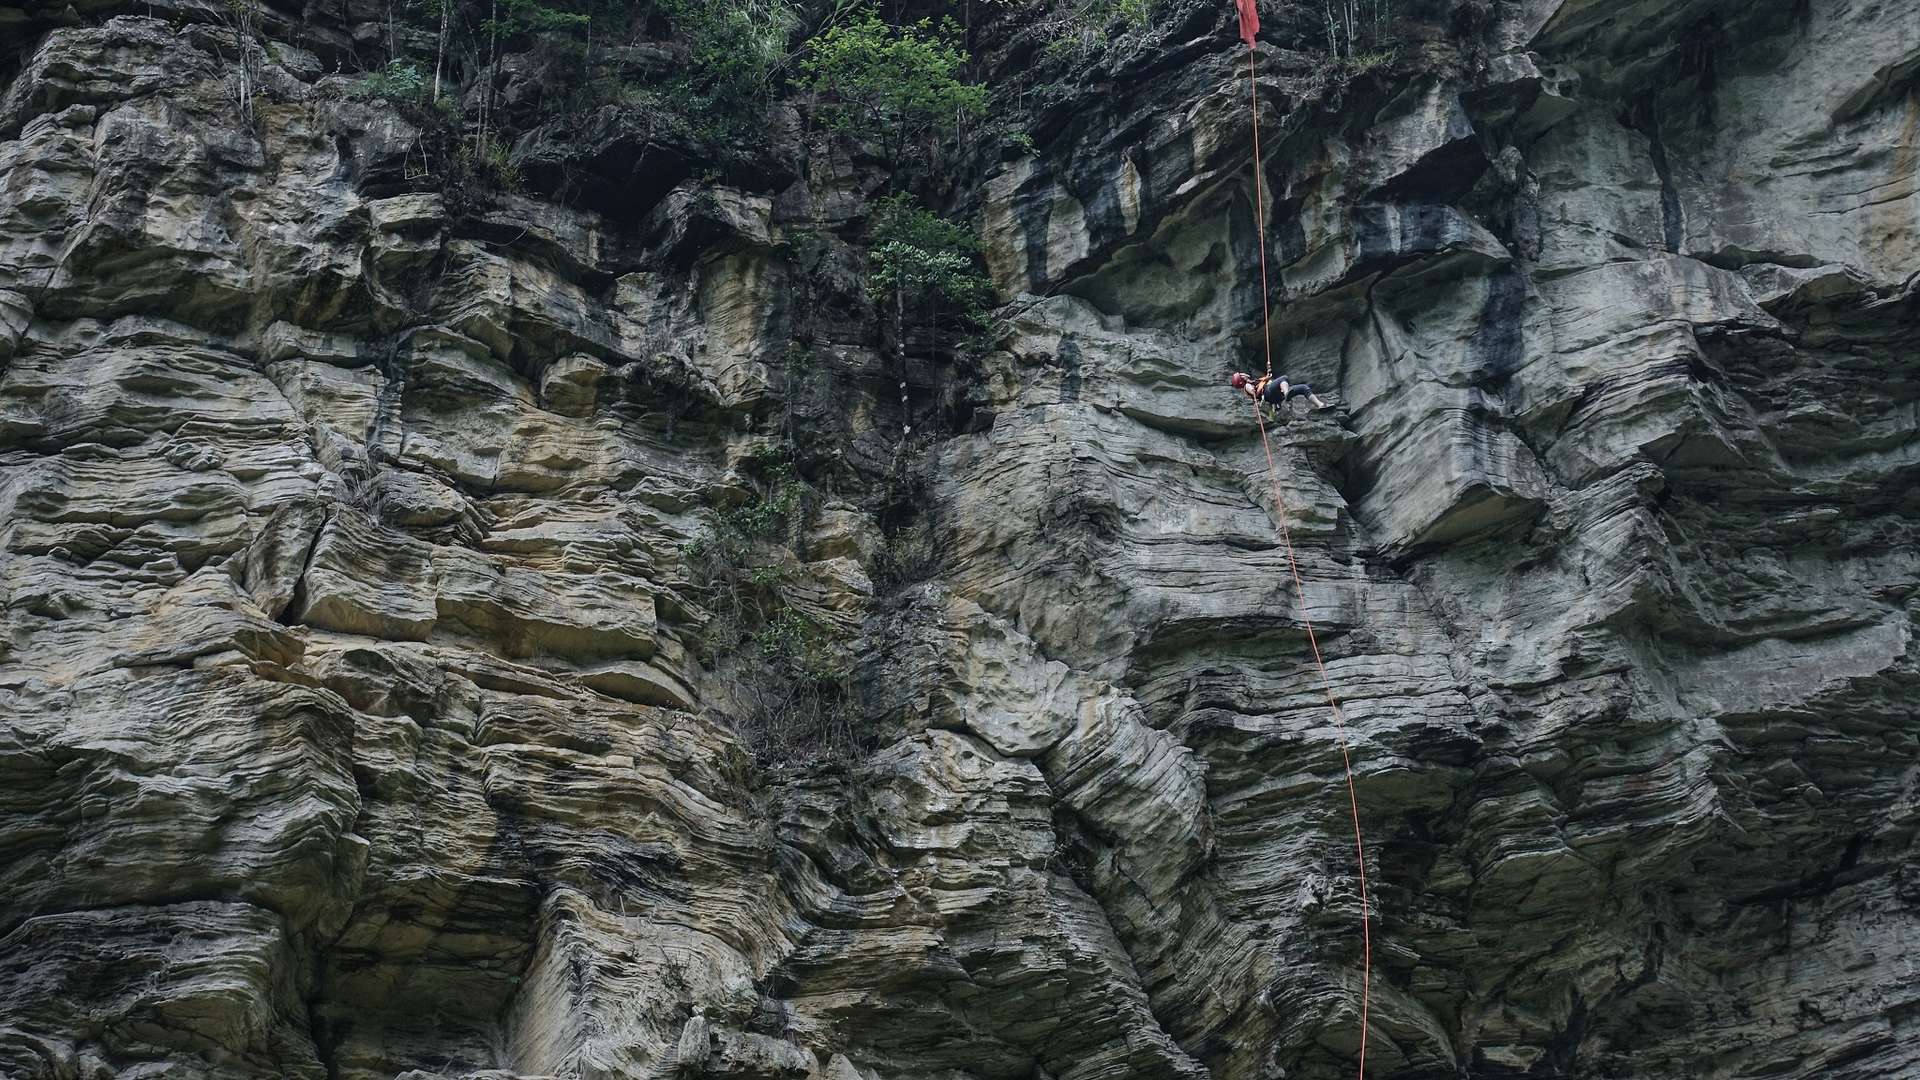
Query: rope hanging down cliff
{"type": "Point", "coordinates": [1249, 30]}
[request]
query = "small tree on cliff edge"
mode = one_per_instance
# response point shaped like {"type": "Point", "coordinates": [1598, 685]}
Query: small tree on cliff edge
{"type": "Point", "coordinates": [897, 84]}
{"type": "Point", "coordinates": [928, 260]}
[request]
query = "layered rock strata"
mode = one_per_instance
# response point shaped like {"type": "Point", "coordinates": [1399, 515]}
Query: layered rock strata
{"type": "Point", "coordinates": [359, 715]}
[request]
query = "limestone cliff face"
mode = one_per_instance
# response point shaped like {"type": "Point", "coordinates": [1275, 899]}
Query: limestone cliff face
{"type": "Point", "coordinates": [359, 714]}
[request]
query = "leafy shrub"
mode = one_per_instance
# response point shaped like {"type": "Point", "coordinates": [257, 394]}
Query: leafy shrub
{"type": "Point", "coordinates": [927, 259]}
{"type": "Point", "coordinates": [1077, 29]}
{"type": "Point", "coordinates": [908, 553]}
{"type": "Point", "coordinates": [736, 49]}
{"type": "Point", "coordinates": [400, 81]}
{"type": "Point", "coordinates": [800, 647]}
{"type": "Point", "coordinates": [487, 159]}
{"type": "Point", "coordinates": [790, 672]}
{"type": "Point", "coordinates": [892, 83]}
{"type": "Point", "coordinates": [534, 17]}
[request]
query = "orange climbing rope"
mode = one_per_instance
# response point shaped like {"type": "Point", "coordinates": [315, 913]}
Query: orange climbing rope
{"type": "Point", "coordinates": [1340, 728]}
{"type": "Point", "coordinates": [1249, 28]}
{"type": "Point", "coordinates": [1259, 217]}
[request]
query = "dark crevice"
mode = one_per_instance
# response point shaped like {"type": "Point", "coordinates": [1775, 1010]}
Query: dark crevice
{"type": "Point", "coordinates": [1848, 871]}
{"type": "Point", "coordinates": [1672, 216]}
{"type": "Point", "coordinates": [297, 602]}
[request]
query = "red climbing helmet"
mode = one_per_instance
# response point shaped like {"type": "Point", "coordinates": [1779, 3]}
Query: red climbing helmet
{"type": "Point", "coordinates": [1239, 380]}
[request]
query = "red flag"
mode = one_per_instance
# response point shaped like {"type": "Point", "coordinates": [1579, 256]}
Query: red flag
{"type": "Point", "coordinates": [1249, 21]}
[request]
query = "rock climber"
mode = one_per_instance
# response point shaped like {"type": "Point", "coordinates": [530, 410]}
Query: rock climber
{"type": "Point", "coordinates": [1274, 391]}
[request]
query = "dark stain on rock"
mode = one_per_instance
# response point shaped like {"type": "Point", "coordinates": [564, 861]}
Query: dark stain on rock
{"type": "Point", "coordinates": [1697, 58]}
{"type": "Point", "coordinates": [1069, 356]}
{"type": "Point", "coordinates": [1289, 235]}
{"type": "Point", "coordinates": [1243, 254]}
{"type": "Point", "coordinates": [1672, 217]}
{"type": "Point", "coordinates": [1034, 216]}
{"type": "Point", "coordinates": [1498, 342]}
{"type": "Point", "coordinates": [1094, 187]}
{"type": "Point", "coordinates": [1373, 231]}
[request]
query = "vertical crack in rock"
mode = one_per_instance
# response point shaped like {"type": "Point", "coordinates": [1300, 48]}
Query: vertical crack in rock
{"type": "Point", "coordinates": [1672, 215]}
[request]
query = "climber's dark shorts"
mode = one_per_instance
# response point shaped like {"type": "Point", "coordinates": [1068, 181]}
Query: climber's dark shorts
{"type": "Point", "coordinates": [1272, 395]}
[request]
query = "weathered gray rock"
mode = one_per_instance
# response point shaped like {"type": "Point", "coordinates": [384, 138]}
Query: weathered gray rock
{"type": "Point", "coordinates": [366, 710]}
{"type": "Point", "coordinates": [205, 981]}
